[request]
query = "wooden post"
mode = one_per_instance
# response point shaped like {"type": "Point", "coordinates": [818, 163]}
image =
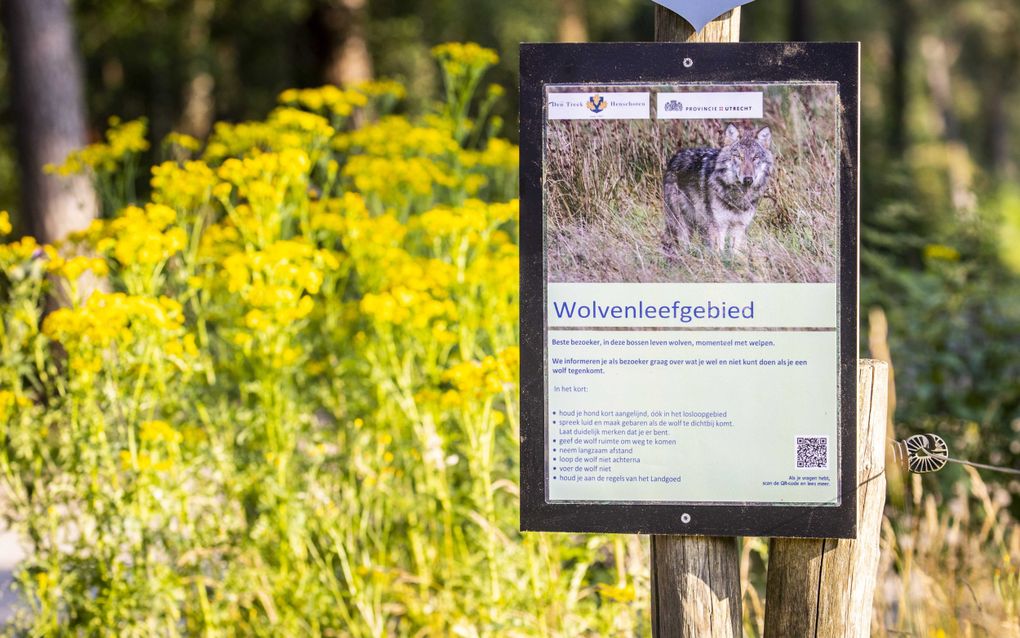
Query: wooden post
{"type": "Point", "coordinates": [695, 579]}
{"type": "Point", "coordinates": [825, 587]}
{"type": "Point", "coordinates": [695, 587]}
{"type": "Point", "coordinates": [669, 27]}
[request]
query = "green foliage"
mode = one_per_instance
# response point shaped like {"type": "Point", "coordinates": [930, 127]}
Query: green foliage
{"type": "Point", "coordinates": [294, 411]}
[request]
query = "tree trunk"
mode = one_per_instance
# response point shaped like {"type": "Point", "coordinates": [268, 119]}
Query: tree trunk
{"type": "Point", "coordinates": [199, 104]}
{"type": "Point", "coordinates": [349, 60]}
{"type": "Point", "coordinates": [802, 23]}
{"type": "Point", "coordinates": [939, 56]}
{"type": "Point", "coordinates": [1000, 71]}
{"type": "Point", "coordinates": [901, 40]}
{"type": "Point", "coordinates": [573, 26]}
{"type": "Point", "coordinates": [49, 114]}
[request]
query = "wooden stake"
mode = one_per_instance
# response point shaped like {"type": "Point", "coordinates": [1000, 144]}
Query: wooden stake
{"type": "Point", "coordinates": [824, 588]}
{"type": "Point", "coordinates": [669, 27]}
{"type": "Point", "coordinates": [696, 579]}
{"type": "Point", "coordinates": [695, 587]}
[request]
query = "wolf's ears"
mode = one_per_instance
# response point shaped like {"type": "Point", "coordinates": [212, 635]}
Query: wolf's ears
{"type": "Point", "coordinates": [764, 136]}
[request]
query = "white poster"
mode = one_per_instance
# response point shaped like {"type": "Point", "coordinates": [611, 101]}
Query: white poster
{"type": "Point", "coordinates": [692, 315]}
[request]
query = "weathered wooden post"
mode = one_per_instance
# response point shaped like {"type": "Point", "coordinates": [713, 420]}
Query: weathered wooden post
{"type": "Point", "coordinates": [825, 587]}
{"type": "Point", "coordinates": [695, 579]}
{"type": "Point", "coordinates": [669, 27]}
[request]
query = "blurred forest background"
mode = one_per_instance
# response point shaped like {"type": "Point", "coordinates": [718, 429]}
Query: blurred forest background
{"type": "Point", "coordinates": [940, 200]}
{"type": "Point", "coordinates": [940, 120]}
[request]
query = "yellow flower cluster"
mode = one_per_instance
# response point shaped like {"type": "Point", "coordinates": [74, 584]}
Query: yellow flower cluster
{"type": "Point", "coordinates": [265, 179]}
{"type": "Point", "coordinates": [397, 180]}
{"type": "Point", "coordinates": [159, 432]}
{"type": "Point", "coordinates": [342, 102]}
{"type": "Point", "coordinates": [287, 118]}
{"type": "Point", "coordinates": [418, 295]}
{"type": "Point", "coordinates": [8, 402]}
{"type": "Point", "coordinates": [333, 299]}
{"type": "Point", "coordinates": [182, 140]}
{"type": "Point", "coordinates": [113, 319]}
{"type": "Point", "coordinates": [472, 220]}
{"type": "Point", "coordinates": [5, 223]}
{"type": "Point", "coordinates": [17, 253]}
{"type": "Point", "coordinates": [277, 283]}
{"type": "Point", "coordinates": [332, 99]}
{"type": "Point", "coordinates": [336, 215]}
{"type": "Point", "coordinates": [184, 186]}
{"type": "Point", "coordinates": [474, 380]}
{"type": "Point", "coordinates": [123, 140]}
{"type": "Point", "coordinates": [458, 57]}
{"type": "Point", "coordinates": [143, 236]}
{"type": "Point", "coordinates": [73, 268]}
{"type": "Point", "coordinates": [380, 89]}
{"type": "Point", "coordinates": [287, 131]}
{"type": "Point", "coordinates": [941, 252]}
{"type": "Point", "coordinates": [143, 462]}
{"type": "Point", "coordinates": [498, 153]}
{"type": "Point", "coordinates": [397, 137]}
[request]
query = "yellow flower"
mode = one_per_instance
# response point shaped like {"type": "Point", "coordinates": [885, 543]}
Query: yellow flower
{"type": "Point", "coordinates": [304, 121]}
{"type": "Point", "coordinates": [183, 186]}
{"type": "Point", "coordinates": [380, 88]}
{"type": "Point", "coordinates": [42, 582]}
{"type": "Point", "coordinates": [73, 268]}
{"type": "Point", "coordinates": [466, 54]}
{"type": "Point", "coordinates": [159, 432]}
{"type": "Point", "coordinates": [123, 140]}
{"type": "Point", "coordinates": [941, 252]}
{"type": "Point", "coordinates": [111, 319]}
{"type": "Point", "coordinates": [332, 99]}
{"type": "Point", "coordinates": [5, 223]}
{"type": "Point", "coordinates": [8, 401]}
{"type": "Point", "coordinates": [18, 251]}
{"type": "Point", "coordinates": [619, 593]}
{"type": "Point", "coordinates": [182, 140]}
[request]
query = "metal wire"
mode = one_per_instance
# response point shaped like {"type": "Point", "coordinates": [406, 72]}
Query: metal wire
{"type": "Point", "coordinates": [982, 466]}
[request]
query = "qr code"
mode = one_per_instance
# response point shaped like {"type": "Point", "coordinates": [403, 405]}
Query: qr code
{"type": "Point", "coordinates": [813, 451]}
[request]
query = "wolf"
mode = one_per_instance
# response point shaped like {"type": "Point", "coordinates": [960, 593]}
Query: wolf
{"type": "Point", "coordinates": [715, 191]}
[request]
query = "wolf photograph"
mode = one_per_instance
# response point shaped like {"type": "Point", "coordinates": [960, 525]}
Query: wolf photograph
{"type": "Point", "coordinates": [697, 200]}
{"type": "Point", "coordinates": [716, 191]}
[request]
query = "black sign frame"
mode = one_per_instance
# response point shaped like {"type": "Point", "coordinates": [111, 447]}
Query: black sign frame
{"type": "Point", "coordinates": [669, 63]}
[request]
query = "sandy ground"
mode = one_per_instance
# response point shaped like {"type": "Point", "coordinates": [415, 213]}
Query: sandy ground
{"type": "Point", "coordinates": [11, 552]}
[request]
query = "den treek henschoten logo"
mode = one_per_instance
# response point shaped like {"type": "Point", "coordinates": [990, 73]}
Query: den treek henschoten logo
{"type": "Point", "coordinates": [599, 105]}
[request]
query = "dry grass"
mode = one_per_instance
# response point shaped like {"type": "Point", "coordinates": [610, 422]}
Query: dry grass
{"type": "Point", "coordinates": [604, 217]}
{"type": "Point", "coordinates": [950, 563]}
{"type": "Point", "coordinates": [949, 567]}
{"type": "Point", "coordinates": [950, 552]}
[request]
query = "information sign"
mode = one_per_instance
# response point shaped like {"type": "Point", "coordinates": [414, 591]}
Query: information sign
{"type": "Point", "coordinates": [689, 288]}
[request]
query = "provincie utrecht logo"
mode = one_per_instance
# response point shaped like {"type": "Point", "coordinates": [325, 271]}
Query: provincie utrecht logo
{"type": "Point", "coordinates": [674, 106]}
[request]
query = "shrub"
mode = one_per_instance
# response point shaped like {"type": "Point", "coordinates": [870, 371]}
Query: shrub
{"type": "Point", "coordinates": [289, 404]}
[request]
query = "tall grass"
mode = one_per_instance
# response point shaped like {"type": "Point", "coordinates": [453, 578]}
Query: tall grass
{"type": "Point", "coordinates": [603, 185]}
{"type": "Point", "coordinates": [950, 551]}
